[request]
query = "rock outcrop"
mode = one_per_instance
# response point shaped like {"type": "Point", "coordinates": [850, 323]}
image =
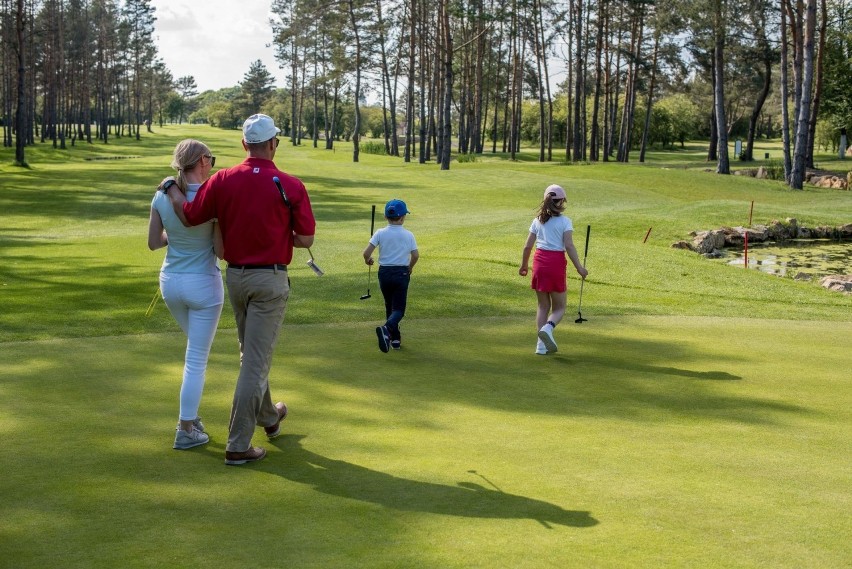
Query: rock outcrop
{"type": "Point", "coordinates": [838, 283]}
{"type": "Point", "coordinates": [835, 182]}
{"type": "Point", "coordinates": [706, 242]}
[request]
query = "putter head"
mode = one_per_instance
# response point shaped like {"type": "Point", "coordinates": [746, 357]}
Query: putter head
{"type": "Point", "coordinates": [365, 296]}
{"type": "Point", "coordinates": [315, 268]}
{"type": "Point", "coordinates": [580, 320]}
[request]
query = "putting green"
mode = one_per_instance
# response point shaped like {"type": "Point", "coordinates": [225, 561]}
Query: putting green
{"type": "Point", "coordinates": [645, 441]}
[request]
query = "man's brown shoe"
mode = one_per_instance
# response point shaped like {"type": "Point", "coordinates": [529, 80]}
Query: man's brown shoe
{"type": "Point", "coordinates": [274, 430]}
{"type": "Point", "coordinates": [251, 455]}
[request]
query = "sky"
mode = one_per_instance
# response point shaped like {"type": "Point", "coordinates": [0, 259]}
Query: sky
{"type": "Point", "coordinates": [215, 41]}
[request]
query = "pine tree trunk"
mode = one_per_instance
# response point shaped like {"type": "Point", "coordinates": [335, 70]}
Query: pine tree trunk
{"type": "Point", "coordinates": [356, 135]}
{"type": "Point", "coordinates": [820, 67]}
{"type": "Point", "coordinates": [785, 95]}
{"type": "Point", "coordinates": [424, 86]}
{"type": "Point", "coordinates": [594, 151]}
{"type": "Point", "coordinates": [723, 165]}
{"type": "Point", "coordinates": [448, 85]}
{"type": "Point", "coordinates": [20, 110]}
{"type": "Point", "coordinates": [579, 88]}
{"type": "Point", "coordinates": [650, 97]}
{"type": "Point", "coordinates": [798, 174]}
{"type": "Point", "coordinates": [409, 103]}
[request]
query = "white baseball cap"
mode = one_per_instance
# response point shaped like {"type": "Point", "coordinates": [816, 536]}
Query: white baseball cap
{"type": "Point", "coordinates": [259, 128]}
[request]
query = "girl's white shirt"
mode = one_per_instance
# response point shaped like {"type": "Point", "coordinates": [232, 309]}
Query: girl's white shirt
{"type": "Point", "coordinates": [549, 235]}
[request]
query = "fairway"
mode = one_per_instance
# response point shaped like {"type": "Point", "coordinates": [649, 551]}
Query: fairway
{"type": "Point", "coordinates": [702, 417]}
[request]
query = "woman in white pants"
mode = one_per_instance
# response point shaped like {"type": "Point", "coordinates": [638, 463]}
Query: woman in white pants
{"type": "Point", "coordinates": [190, 281]}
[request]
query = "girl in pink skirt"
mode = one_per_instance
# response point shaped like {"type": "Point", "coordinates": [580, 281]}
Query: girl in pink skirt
{"type": "Point", "coordinates": [551, 233]}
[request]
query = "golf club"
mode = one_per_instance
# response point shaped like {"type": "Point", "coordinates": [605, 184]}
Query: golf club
{"type": "Point", "coordinates": [580, 320]}
{"type": "Point", "coordinates": [370, 267]}
{"type": "Point", "coordinates": [313, 265]}
{"type": "Point", "coordinates": [281, 191]}
{"type": "Point", "coordinates": [153, 303]}
{"type": "Point", "coordinates": [319, 272]}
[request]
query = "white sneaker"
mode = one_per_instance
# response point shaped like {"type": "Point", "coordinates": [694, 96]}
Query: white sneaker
{"type": "Point", "coordinates": [193, 438]}
{"type": "Point", "coordinates": [540, 348]}
{"type": "Point", "coordinates": [195, 423]}
{"type": "Point", "coordinates": [546, 336]}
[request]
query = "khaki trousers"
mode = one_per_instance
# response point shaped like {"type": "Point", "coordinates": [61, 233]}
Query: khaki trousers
{"type": "Point", "coordinates": [259, 299]}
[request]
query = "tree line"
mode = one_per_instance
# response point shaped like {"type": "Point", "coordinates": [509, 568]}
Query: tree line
{"type": "Point", "coordinates": [77, 70]}
{"type": "Point", "coordinates": [584, 80]}
{"type": "Point", "coordinates": [472, 75]}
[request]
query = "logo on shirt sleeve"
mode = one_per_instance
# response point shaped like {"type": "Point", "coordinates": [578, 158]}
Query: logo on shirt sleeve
{"type": "Point", "coordinates": [256, 170]}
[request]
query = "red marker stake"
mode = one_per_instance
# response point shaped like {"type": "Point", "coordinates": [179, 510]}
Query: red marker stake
{"type": "Point", "coordinates": [647, 234]}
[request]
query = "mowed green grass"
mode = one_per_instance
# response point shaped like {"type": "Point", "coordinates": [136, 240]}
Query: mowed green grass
{"type": "Point", "coordinates": [700, 418]}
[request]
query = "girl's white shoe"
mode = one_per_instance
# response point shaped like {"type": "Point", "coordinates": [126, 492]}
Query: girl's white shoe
{"type": "Point", "coordinates": [546, 336]}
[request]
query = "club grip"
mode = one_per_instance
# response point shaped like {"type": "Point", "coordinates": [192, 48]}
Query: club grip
{"type": "Point", "coordinates": [373, 221]}
{"type": "Point", "coordinates": [588, 231]}
{"type": "Point", "coordinates": [281, 191]}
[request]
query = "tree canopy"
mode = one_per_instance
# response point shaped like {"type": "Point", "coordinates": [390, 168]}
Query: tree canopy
{"type": "Point", "coordinates": [596, 79]}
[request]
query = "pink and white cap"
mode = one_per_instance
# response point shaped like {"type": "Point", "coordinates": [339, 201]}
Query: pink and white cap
{"type": "Point", "coordinates": [558, 191]}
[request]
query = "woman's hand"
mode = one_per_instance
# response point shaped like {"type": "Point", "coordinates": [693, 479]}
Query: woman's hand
{"type": "Point", "coordinates": [163, 183]}
{"type": "Point", "coordinates": [523, 270]}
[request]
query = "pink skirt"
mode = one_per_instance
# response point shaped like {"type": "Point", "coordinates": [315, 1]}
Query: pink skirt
{"type": "Point", "coordinates": [548, 273]}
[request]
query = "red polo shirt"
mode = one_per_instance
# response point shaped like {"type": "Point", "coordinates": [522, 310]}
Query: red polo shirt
{"type": "Point", "coordinates": [257, 228]}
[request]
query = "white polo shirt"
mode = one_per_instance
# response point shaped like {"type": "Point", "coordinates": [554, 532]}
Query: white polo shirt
{"type": "Point", "coordinates": [395, 245]}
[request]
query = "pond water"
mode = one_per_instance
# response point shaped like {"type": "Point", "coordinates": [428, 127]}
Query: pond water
{"type": "Point", "coordinates": [809, 258]}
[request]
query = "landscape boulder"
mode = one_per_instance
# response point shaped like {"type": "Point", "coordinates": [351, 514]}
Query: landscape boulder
{"type": "Point", "coordinates": [838, 283]}
{"type": "Point", "coordinates": [704, 242]}
{"type": "Point", "coordinates": [711, 242]}
{"type": "Point", "coordinates": [783, 230]}
{"type": "Point", "coordinates": [834, 182]}
{"type": "Point", "coordinates": [735, 236]}
{"type": "Point", "coordinates": [823, 232]}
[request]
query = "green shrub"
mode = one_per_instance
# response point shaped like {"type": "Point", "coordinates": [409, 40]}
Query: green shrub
{"type": "Point", "coordinates": [775, 170]}
{"type": "Point", "coordinates": [465, 158]}
{"type": "Point", "coordinates": [373, 148]}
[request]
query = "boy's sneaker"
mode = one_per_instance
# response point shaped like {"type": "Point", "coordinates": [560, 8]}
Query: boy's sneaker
{"type": "Point", "coordinates": [199, 426]}
{"type": "Point", "coordinates": [540, 348]}
{"type": "Point", "coordinates": [546, 336]}
{"type": "Point", "coordinates": [384, 338]}
{"type": "Point", "coordinates": [396, 344]}
{"type": "Point", "coordinates": [193, 438]}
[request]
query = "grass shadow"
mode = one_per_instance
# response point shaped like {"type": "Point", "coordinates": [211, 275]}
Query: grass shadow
{"type": "Point", "coordinates": [347, 480]}
{"type": "Point", "coordinates": [657, 370]}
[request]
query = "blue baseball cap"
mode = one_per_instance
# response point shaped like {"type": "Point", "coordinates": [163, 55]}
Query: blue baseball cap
{"type": "Point", "coordinates": [396, 208]}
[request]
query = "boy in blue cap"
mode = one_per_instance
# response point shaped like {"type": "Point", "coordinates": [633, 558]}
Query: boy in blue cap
{"type": "Point", "coordinates": [397, 257]}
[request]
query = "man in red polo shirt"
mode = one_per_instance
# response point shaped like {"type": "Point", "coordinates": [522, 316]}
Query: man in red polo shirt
{"type": "Point", "coordinates": [259, 231]}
